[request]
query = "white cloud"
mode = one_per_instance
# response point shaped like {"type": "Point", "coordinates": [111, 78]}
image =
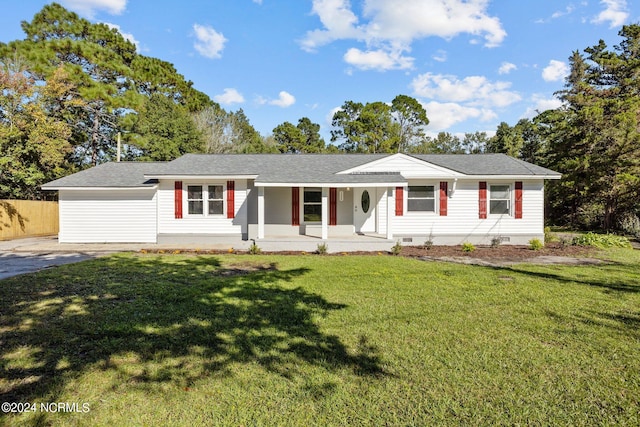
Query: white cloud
{"type": "Point", "coordinates": [229, 96]}
{"type": "Point", "coordinates": [210, 43]}
{"type": "Point", "coordinates": [444, 115]}
{"type": "Point", "coordinates": [540, 104]}
{"type": "Point", "coordinates": [391, 26]}
{"type": "Point", "coordinates": [440, 56]}
{"type": "Point", "coordinates": [127, 36]}
{"type": "Point", "coordinates": [285, 99]}
{"type": "Point", "coordinates": [615, 13]}
{"type": "Point", "coordinates": [377, 60]}
{"type": "Point", "coordinates": [506, 68]}
{"type": "Point", "coordinates": [555, 71]}
{"type": "Point", "coordinates": [89, 8]}
{"type": "Point", "coordinates": [473, 90]}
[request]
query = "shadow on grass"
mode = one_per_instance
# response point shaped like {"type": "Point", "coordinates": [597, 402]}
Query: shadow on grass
{"type": "Point", "coordinates": [155, 319]}
{"type": "Point", "coordinates": [610, 278]}
{"type": "Point", "coordinates": [614, 277]}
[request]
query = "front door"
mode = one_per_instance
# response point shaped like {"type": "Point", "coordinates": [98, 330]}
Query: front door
{"type": "Point", "coordinates": [364, 210]}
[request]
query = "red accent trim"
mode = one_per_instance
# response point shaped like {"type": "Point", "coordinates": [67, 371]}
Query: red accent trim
{"type": "Point", "coordinates": [295, 206]}
{"type": "Point", "coordinates": [518, 213]}
{"type": "Point", "coordinates": [177, 199]}
{"type": "Point", "coordinates": [399, 201]}
{"type": "Point", "coordinates": [482, 200]}
{"type": "Point", "coordinates": [333, 206]}
{"type": "Point", "coordinates": [443, 197]}
{"type": "Point", "coordinates": [231, 199]}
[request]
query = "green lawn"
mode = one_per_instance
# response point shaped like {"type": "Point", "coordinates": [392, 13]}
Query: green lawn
{"type": "Point", "coordinates": [322, 340]}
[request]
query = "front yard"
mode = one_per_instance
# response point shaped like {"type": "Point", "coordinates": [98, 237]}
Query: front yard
{"type": "Point", "coordinates": [148, 339]}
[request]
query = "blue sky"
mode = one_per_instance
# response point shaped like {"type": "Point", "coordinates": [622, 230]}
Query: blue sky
{"type": "Point", "coordinates": [472, 64]}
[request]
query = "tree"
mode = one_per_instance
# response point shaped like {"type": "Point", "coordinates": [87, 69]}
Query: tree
{"type": "Point", "coordinates": [411, 118]}
{"type": "Point", "coordinates": [230, 132]}
{"type": "Point", "coordinates": [443, 143]}
{"type": "Point", "coordinates": [595, 139]}
{"type": "Point", "coordinates": [110, 77]}
{"type": "Point", "coordinates": [303, 138]}
{"type": "Point", "coordinates": [507, 140]}
{"type": "Point", "coordinates": [33, 143]}
{"type": "Point", "coordinates": [475, 143]}
{"type": "Point", "coordinates": [368, 128]}
{"type": "Point", "coordinates": [164, 130]}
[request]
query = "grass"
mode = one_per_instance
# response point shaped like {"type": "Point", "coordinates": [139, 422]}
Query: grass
{"type": "Point", "coordinates": [310, 340]}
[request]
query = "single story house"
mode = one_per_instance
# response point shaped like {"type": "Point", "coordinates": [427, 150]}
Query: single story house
{"type": "Point", "coordinates": [447, 198]}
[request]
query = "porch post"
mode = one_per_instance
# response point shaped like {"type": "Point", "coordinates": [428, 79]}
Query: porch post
{"type": "Point", "coordinates": [325, 213]}
{"type": "Point", "coordinates": [390, 213]}
{"type": "Point", "coordinates": [260, 212]}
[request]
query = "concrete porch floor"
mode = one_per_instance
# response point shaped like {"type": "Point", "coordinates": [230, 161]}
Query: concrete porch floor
{"type": "Point", "coordinates": [355, 243]}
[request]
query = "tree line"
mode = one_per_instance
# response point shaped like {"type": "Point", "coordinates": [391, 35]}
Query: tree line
{"type": "Point", "coordinates": [71, 88]}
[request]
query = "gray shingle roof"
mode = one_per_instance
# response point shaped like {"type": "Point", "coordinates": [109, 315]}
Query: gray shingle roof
{"type": "Point", "coordinates": [288, 168]}
{"type": "Point", "coordinates": [486, 164]}
{"type": "Point", "coordinates": [114, 174]}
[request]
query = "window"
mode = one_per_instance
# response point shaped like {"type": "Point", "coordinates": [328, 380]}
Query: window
{"type": "Point", "coordinates": [312, 205]}
{"type": "Point", "coordinates": [216, 202]}
{"type": "Point", "coordinates": [421, 198]}
{"type": "Point", "coordinates": [214, 196]}
{"type": "Point", "coordinates": [195, 199]}
{"type": "Point", "coordinates": [500, 199]}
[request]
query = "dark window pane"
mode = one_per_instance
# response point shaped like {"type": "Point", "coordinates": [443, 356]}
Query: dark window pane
{"type": "Point", "coordinates": [195, 207]}
{"type": "Point", "coordinates": [423, 205]}
{"type": "Point", "coordinates": [215, 207]}
{"type": "Point", "coordinates": [215, 192]}
{"type": "Point", "coordinates": [499, 192]}
{"type": "Point", "coordinates": [421, 191]}
{"type": "Point", "coordinates": [312, 213]}
{"type": "Point", "coordinates": [499, 207]}
{"type": "Point", "coordinates": [312, 195]}
{"type": "Point", "coordinates": [194, 192]}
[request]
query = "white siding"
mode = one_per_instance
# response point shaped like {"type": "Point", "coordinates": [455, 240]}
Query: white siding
{"type": "Point", "coordinates": [97, 216]}
{"type": "Point", "coordinates": [220, 224]}
{"type": "Point", "coordinates": [409, 167]}
{"type": "Point", "coordinates": [463, 223]}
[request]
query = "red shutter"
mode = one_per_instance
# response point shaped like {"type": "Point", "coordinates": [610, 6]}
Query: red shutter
{"type": "Point", "coordinates": [333, 206]}
{"type": "Point", "coordinates": [295, 206]}
{"type": "Point", "coordinates": [231, 199]}
{"type": "Point", "coordinates": [482, 199]}
{"type": "Point", "coordinates": [399, 201]}
{"type": "Point", "coordinates": [443, 198]}
{"type": "Point", "coordinates": [518, 214]}
{"type": "Point", "coordinates": [177, 199]}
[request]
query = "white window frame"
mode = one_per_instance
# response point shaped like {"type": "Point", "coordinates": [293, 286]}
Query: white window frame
{"type": "Point", "coordinates": [508, 199]}
{"type": "Point", "coordinates": [205, 200]}
{"type": "Point", "coordinates": [304, 203]}
{"type": "Point", "coordinates": [435, 199]}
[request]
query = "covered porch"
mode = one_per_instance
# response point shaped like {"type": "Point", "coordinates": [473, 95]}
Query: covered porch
{"type": "Point", "coordinates": [323, 211]}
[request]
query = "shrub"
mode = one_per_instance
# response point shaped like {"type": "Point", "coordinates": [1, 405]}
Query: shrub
{"type": "Point", "coordinates": [322, 249]}
{"type": "Point", "coordinates": [254, 249]}
{"type": "Point", "coordinates": [428, 244]}
{"type": "Point", "coordinates": [397, 248]}
{"type": "Point", "coordinates": [602, 240]}
{"type": "Point", "coordinates": [468, 247]}
{"type": "Point", "coordinates": [630, 224]}
{"type": "Point", "coordinates": [535, 244]}
{"type": "Point", "coordinates": [496, 241]}
{"type": "Point", "coordinates": [548, 236]}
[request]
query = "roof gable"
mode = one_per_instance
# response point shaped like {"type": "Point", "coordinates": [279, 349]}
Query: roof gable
{"type": "Point", "coordinates": [408, 166]}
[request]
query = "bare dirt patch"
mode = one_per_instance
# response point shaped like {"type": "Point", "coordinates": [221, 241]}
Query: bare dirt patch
{"type": "Point", "coordinates": [244, 268]}
{"type": "Point", "coordinates": [552, 253]}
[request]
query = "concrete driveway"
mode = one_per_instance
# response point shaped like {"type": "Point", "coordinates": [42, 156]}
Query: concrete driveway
{"type": "Point", "coordinates": [16, 257]}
